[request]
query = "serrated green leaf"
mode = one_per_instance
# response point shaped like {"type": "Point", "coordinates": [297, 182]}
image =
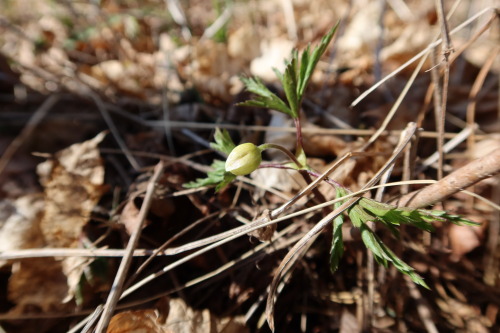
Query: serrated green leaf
{"type": "Point", "coordinates": [223, 141]}
{"type": "Point", "coordinates": [254, 85]}
{"type": "Point", "coordinates": [375, 207]}
{"type": "Point", "coordinates": [393, 216]}
{"type": "Point", "coordinates": [278, 74]}
{"type": "Point", "coordinates": [371, 243]}
{"type": "Point", "coordinates": [309, 63]}
{"type": "Point", "coordinates": [383, 254]}
{"type": "Point", "coordinates": [261, 102]}
{"type": "Point", "coordinates": [265, 98]}
{"type": "Point", "coordinates": [359, 216]}
{"type": "Point", "coordinates": [217, 176]}
{"type": "Point", "coordinates": [289, 81]}
{"type": "Point", "coordinates": [455, 219]}
{"type": "Point", "coordinates": [305, 59]}
{"type": "Point", "coordinates": [337, 249]}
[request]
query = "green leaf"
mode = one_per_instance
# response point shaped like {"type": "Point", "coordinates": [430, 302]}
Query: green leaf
{"type": "Point", "coordinates": [356, 213]}
{"type": "Point", "coordinates": [265, 98]}
{"type": "Point", "coordinates": [420, 218]}
{"type": "Point", "coordinates": [226, 180]}
{"type": "Point", "coordinates": [218, 176]}
{"type": "Point", "coordinates": [294, 80]}
{"type": "Point", "coordinates": [303, 79]}
{"type": "Point", "coordinates": [289, 81]}
{"type": "Point", "coordinates": [359, 216]}
{"type": "Point", "coordinates": [223, 141]}
{"type": "Point", "coordinates": [455, 219]}
{"type": "Point", "coordinates": [393, 216]}
{"type": "Point", "coordinates": [309, 62]}
{"type": "Point", "coordinates": [383, 255]}
{"type": "Point", "coordinates": [370, 241]}
{"type": "Point", "coordinates": [278, 74]}
{"type": "Point", "coordinates": [337, 249]}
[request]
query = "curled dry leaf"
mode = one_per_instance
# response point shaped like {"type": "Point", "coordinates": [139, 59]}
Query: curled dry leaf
{"type": "Point", "coordinates": [264, 234]}
{"type": "Point", "coordinates": [181, 319]}
{"type": "Point", "coordinates": [129, 217]}
{"type": "Point", "coordinates": [73, 184]}
{"type": "Point", "coordinates": [135, 322]}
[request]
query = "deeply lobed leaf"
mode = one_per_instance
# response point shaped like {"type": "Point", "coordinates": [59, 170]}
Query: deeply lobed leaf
{"type": "Point", "coordinates": [223, 141]}
{"type": "Point", "coordinates": [384, 255]}
{"type": "Point", "coordinates": [218, 176]}
{"type": "Point", "coordinates": [265, 98]}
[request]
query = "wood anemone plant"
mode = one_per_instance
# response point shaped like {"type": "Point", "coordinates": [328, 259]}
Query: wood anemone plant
{"type": "Point", "coordinates": [245, 158]}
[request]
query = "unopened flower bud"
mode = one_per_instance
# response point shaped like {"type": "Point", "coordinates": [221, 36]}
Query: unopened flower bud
{"type": "Point", "coordinates": [243, 159]}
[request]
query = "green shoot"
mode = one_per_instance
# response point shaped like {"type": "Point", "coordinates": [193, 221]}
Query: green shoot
{"type": "Point", "coordinates": [295, 79]}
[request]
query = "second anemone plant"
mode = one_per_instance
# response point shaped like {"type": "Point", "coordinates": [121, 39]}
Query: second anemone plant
{"type": "Point", "coordinates": [247, 157]}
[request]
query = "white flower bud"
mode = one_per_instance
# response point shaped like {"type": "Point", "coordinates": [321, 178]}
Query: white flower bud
{"type": "Point", "coordinates": [243, 159]}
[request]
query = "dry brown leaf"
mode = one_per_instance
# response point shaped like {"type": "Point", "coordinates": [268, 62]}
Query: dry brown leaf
{"type": "Point", "coordinates": [20, 223]}
{"type": "Point", "coordinates": [323, 145]}
{"type": "Point", "coordinates": [129, 215]}
{"type": "Point", "coordinates": [208, 65]}
{"type": "Point", "coordinates": [464, 239]}
{"type": "Point", "coordinates": [241, 43]}
{"type": "Point", "coordinates": [181, 319]}
{"type": "Point", "coordinates": [37, 285]}
{"type": "Point", "coordinates": [142, 321]}
{"type": "Point", "coordinates": [73, 184]}
{"type": "Point", "coordinates": [348, 323]}
{"type": "Point", "coordinates": [123, 75]}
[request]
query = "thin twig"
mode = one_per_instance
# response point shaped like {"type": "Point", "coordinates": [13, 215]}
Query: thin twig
{"type": "Point", "coordinates": [37, 117]}
{"type": "Point", "coordinates": [291, 25]}
{"type": "Point", "coordinates": [262, 128]}
{"type": "Point", "coordinates": [447, 49]}
{"type": "Point", "coordinates": [418, 56]}
{"type": "Point", "coordinates": [114, 294]}
{"type": "Point", "coordinates": [476, 87]}
{"type": "Point", "coordinates": [114, 130]}
{"type": "Point", "coordinates": [450, 145]}
{"type": "Point", "coordinates": [160, 249]}
{"type": "Point", "coordinates": [396, 104]}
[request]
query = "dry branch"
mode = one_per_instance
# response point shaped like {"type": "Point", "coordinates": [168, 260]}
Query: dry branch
{"type": "Point", "coordinates": [460, 179]}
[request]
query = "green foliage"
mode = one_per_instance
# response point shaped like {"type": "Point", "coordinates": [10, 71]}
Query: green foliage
{"type": "Point", "coordinates": [265, 98]}
{"type": "Point", "coordinates": [383, 255]}
{"type": "Point", "coordinates": [391, 216]}
{"type": "Point", "coordinates": [294, 79]}
{"type": "Point", "coordinates": [337, 249]}
{"type": "Point", "coordinates": [309, 61]}
{"type": "Point", "coordinates": [218, 176]}
{"type": "Point", "coordinates": [223, 142]}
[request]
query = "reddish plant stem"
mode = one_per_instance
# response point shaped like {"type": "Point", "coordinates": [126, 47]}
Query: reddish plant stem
{"type": "Point", "coordinates": [299, 145]}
